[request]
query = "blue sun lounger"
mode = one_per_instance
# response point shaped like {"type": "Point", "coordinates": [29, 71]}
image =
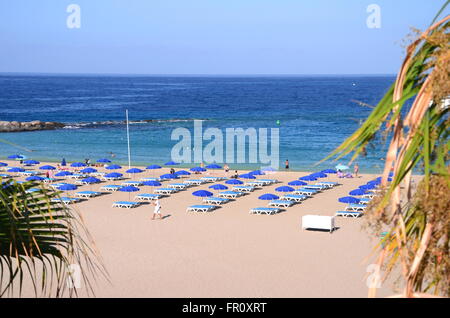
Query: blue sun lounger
{"type": "Point", "coordinates": [262, 210]}
{"type": "Point", "coordinates": [178, 186]}
{"type": "Point", "coordinates": [294, 197]}
{"type": "Point", "coordinates": [132, 183]}
{"type": "Point", "coordinates": [281, 203]}
{"type": "Point", "coordinates": [165, 191]}
{"type": "Point", "coordinates": [307, 192]}
{"type": "Point", "coordinates": [66, 200]}
{"type": "Point", "coordinates": [230, 194]}
{"type": "Point", "coordinates": [125, 204]}
{"type": "Point", "coordinates": [347, 214]}
{"type": "Point", "coordinates": [215, 200]}
{"type": "Point", "coordinates": [327, 184]}
{"type": "Point", "coordinates": [111, 187]}
{"type": "Point", "coordinates": [194, 182]}
{"type": "Point", "coordinates": [268, 181]}
{"type": "Point", "coordinates": [244, 188]}
{"type": "Point", "coordinates": [87, 194]}
{"type": "Point", "coordinates": [318, 188]}
{"type": "Point", "coordinates": [356, 207]}
{"type": "Point", "coordinates": [201, 208]}
{"type": "Point", "coordinates": [147, 196]}
{"type": "Point", "coordinates": [365, 200]}
{"type": "Point", "coordinates": [255, 183]}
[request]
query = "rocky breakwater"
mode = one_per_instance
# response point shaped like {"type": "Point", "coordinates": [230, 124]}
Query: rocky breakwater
{"type": "Point", "coordinates": [15, 126]}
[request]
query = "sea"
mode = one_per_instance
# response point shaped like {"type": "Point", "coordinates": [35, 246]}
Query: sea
{"type": "Point", "coordinates": [311, 114]}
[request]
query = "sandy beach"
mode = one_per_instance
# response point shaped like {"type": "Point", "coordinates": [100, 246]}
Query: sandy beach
{"type": "Point", "coordinates": [227, 252]}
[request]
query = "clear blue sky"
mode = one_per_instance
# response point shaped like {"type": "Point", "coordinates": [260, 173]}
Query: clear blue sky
{"type": "Point", "coordinates": [208, 36]}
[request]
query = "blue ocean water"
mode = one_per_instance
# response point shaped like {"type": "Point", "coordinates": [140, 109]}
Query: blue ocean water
{"type": "Point", "coordinates": [314, 114]}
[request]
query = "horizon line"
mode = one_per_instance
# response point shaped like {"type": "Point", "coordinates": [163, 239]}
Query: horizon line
{"type": "Point", "coordinates": [194, 74]}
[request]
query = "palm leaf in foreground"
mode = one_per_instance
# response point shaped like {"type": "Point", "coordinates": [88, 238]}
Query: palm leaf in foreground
{"type": "Point", "coordinates": [419, 227]}
{"type": "Point", "coordinates": [41, 240]}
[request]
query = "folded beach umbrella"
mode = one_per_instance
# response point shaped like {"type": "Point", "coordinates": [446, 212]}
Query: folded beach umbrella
{"type": "Point", "coordinates": [308, 178]}
{"type": "Point", "coordinates": [103, 160]}
{"type": "Point", "coordinates": [67, 187]}
{"type": "Point", "coordinates": [341, 167]}
{"type": "Point", "coordinates": [113, 167]}
{"type": "Point", "coordinates": [202, 193]}
{"type": "Point", "coordinates": [134, 170]}
{"type": "Point", "coordinates": [129, 189]}
{"type": "Point", "coordinates": [168, 176]}
{"type": "Point", "coordinates": [285, 189]}
{"type": "Point", "coordinates": [357, 192]}
{"type": "Point", "coordinates": [171, 163]}
{"type": "Point", "coordinates": [152, 183]}
{"type": "Point", "coordinates": [88, 170]}
{"type": "Point", "coordinates": [34, 178]}
{"type": "Point", "coordinates": [247, 176]}
{"type": "Point", "coordinates": [113, 175]}
{"type": "Point", "coordinates": [268, 196]}
{"type": "Point", "coordinates": [297, 183]}
{"type": "Point", "coordinates": [213, 166]}
{"type": "Point", "coordinates": [234, 181]}
{"type": "Point", "coordinates": [329, 171]}
{"type": "Point", "coordinates": [348, 200]}
{"type": "Point", "coordinates": [152, 167]}
{"type": "Point", "coordinates": [218, 187]}
{"type": "Point", "coordinates": [182, 173]}
{"type": "Point", "coordinates": [197, 169]}
{"type": "Point", "coordinates": [91, 180]}
{"type": "Point", "coordinates": [47, 167]}
{"type": "Point", "coordinates": [2, 164]}
{"type": "Point", "coordinates": [63, 174]}
{"type": "Point", "coordinates": [63, 162]}
{"type": "Point", "coordinates": [31, 162]}
{"type": "Point", "coordinates": [16, 169]}
{"type": "Point", "coordinates": [256, 173]}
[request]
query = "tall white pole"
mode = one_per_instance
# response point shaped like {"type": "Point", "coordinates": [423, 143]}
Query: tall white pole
{"type": "Point", "coordinates": [128, 140]}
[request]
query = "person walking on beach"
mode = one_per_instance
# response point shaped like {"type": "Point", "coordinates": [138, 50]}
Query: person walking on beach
{"type": "Point", "coordinates": [157, 209]}
{"type": "Point", "coordinates": [286, 163]}
{"type": "Point", "coordinates": [356, 170]}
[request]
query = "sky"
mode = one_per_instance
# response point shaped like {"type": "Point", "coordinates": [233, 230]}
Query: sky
{"type": "Point", "coordinates": [208, 36]}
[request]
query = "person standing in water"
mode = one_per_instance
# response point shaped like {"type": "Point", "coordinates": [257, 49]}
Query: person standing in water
{"type": "Point", "coordinates": [356, 170]}
{"type": "Point", "coordinates": [157, 209]}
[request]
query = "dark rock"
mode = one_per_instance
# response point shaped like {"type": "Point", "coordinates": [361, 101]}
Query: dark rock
{"type": "Point", "coordinates": [15, 126]}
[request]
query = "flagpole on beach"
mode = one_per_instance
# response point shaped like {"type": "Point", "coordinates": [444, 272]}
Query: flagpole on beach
{"type": "Point", "coordinates": [128, 140]}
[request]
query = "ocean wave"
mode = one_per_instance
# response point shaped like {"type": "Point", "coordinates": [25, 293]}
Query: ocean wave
{"type": "Point", "coordinates": [123, 122]}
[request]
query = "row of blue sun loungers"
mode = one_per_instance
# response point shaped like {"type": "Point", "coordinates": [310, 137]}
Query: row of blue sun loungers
{"type": "Point", "coordinates": [225, 196]}
{"type": "Point", "coordinates": [297, 196]}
